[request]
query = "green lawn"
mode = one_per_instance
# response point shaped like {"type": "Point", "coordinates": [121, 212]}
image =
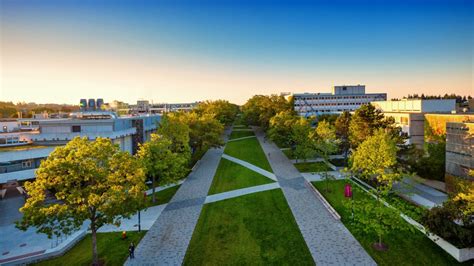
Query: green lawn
{"type": "Point", "coordinates": [163, 196]}
{"type": "Point", "coordinates": [241, 134]}
{"type": "Point", "coordinates": [230, 176]}
{"type": "Point", "coordinates": [112, 250]}
{"type": "Point", "coordinates": [312, 167]}
{"type": "Point", "coordinates": [255, 229]}
{"type": "Point", "coordinates": [248, 150]}
{"type": "Point", "coordinates": [405, 248]}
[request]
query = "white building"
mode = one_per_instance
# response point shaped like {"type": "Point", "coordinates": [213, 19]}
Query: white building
{"type": "Point", "coordinates": [40, 136]}
{"type": "Point", "coordinates": [342, 98]}
{"type": "Point", "coordinates": [409, 114]}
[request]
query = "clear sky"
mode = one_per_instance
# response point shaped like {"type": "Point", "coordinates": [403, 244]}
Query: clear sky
{"type": "Point", "coordinates": [182, 51]}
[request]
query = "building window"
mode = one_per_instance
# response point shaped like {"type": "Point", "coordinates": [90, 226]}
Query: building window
{"type": "Point", "coordinates": [26, 164]}
{"type": "Point", "coordinates": [76, 128]}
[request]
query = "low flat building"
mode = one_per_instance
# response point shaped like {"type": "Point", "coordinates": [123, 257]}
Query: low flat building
{"type": "Point", "coordinates": [37, 138]}
{"type": "Point", "coordinates": [342, 98]}
{"type": "Point", "coordinates": [459, 151]}
{"type": "Point", "coordinates": [409, 114]}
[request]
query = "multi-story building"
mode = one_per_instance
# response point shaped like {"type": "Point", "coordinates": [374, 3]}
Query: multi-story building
{"type": "Point", "coordinates": [459, 151]}
{"type": "Point", "coordinates": [342, 98]}
{"type": "Point", "coordinates": [145, 107]}
{"type": "Point", "coordinates": [409, 114]}
{"type": "Point", "coordinates": [35, 139]}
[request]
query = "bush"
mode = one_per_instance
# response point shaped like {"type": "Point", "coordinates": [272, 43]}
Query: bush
{"type": "Point", "coordinates": [440, 221]}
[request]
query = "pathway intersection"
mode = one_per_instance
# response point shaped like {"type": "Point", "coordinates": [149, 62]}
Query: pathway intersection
{"type": "Point", "coordinates": [168, 238]}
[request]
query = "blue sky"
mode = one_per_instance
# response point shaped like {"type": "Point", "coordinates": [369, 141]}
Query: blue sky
{"type": "Point", "coordinates": [195, 50]}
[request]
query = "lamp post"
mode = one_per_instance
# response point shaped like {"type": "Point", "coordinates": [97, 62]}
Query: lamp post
{"type": "Point", "coordinates": [139, 212]}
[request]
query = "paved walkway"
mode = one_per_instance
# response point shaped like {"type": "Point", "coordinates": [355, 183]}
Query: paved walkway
{"type": "Point", "coordinates": [248, 137]}
{"type": "Point", "coordinates": [328, 240]}
{"type": "Point", "coordinates": [168, 238]}
{"type": "Point", "coordinates": [250, 166]}
{"type": "Point", "coordinates": [241, 192]}
{"type": "Point", "coordinates": [419, 193]}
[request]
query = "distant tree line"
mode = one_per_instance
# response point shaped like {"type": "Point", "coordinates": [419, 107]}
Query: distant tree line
{"type": "Point", "coordinates": [459, 98]}
{"type": "Point", "coordinates": [11, 110]}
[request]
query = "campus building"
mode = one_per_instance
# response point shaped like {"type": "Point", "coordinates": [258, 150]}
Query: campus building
{"type": "Point", "coordinates": [459, 151]}
{"type": "Point", "coordinates": [145, 107]}
{"type": "Point", "coordinates": [342, 98]}
{"type": "Point", "coordinates": [409, 114]}
{"type": "Point", "coordinates": [34, 139]}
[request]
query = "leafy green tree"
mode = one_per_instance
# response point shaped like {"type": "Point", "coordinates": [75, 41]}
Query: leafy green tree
{"type": "Point", "coordinates": [300, 137]}
{"type": "Point", "coordinates": [325, 143]}
{"type": "Point", "coordinates": [375, 160]}
{"type": "Point", "coordinates": [342, 132]}
{"type": "Point", "coordinates": [366, 120]}
{"type": "Point", "coordinates": [83, 181]}
{"type": "Point", "coordinates": [259, 109]}
{"type": "Point", "coordinates": [176, 131]}
{"type": "Point", "coordinates": [221, 110]}
{"type": "Point", "coordinates": [160, 162]}
{"type": "Point", "coordinates": [206, 132]}
{"type": "Point", "coordinates": [374, 218]}
{"type": "Point", "coordinates": [281, 128]}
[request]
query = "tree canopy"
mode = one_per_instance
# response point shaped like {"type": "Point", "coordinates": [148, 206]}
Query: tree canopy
{"type": "Point", "coordinates": [161, 163]}
{"type": "Point", "coordinates": [259, 109]}
{"type": "Point", "coordinates": [222, 110]}
{"type": "Point", "coordinates": [83, 181]}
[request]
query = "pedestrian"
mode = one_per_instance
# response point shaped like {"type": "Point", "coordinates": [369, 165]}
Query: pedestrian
{"type": "Point", "coordinates": [131, 251]}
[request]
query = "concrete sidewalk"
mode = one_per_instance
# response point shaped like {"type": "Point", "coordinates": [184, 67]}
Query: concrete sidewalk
{"type": "Point", "coordinates": [419, 193]}
{"type": "Point", "coordinates": [328, 240]}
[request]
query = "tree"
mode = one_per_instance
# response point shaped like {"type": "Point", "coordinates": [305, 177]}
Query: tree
{"type": "Point", "coordinates": [88, 181]}
{"type": "Point", "coordinates": [303, 146]}
{"type": "Point", "coordinates": [375, 160]}
{"type": "Point", "coordinates": [160, 162]}
{"type": "Point", "coordinates": [176, 131]}
{"type": "Point", "coordinates": [259, 109]}
{"type": "Point", "coordinates": [221, 110]}
{"type": "Point", "coordinates": [205, 131]}
{"type": "Point", "coordinates": [342, 132]}
{"type": "Point", "coordinates": [363, 123]}
{"type": "Point", "coordinates": [374, 218]}
{"type": "Point", "coordinates": [325, 143]}
{"type": "Point", "coordinates": [281, 128]}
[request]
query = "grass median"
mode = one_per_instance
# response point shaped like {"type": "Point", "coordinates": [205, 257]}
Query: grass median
{"type": "Point", "coordinates": [248, 150]}
{"type": "Point", "coordinates": [255, 229]}
{"type": "Point", "coordinates": [231, 176]}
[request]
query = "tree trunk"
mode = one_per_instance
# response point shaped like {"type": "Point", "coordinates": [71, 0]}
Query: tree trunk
{"type": "Point", "coordinates": [95, 257]}
{"type": "Point", "coordinates": [153, 189]}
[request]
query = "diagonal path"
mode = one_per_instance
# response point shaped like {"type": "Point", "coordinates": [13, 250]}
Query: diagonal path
{"type": "Point", "coordinates": [241, 192]}
{"type": "Point", "coordinates": [250, 166]}
{"type": "Point", "coordinates": [328, 240]}
{"type": "Point", "coordinates": [168, 238]}
{"type": "Point", "coordinates": [237, 139]}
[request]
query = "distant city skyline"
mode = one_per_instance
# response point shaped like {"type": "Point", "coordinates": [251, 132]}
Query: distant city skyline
{"type": "Point", "coordinates": [186, 51]}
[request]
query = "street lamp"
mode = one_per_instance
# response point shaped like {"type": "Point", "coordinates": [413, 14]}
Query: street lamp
{"type": "Point", "coordinates": [139, 218]}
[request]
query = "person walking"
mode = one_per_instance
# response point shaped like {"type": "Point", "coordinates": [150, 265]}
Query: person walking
{"type": "Point", "coordinates": [131, 251]}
